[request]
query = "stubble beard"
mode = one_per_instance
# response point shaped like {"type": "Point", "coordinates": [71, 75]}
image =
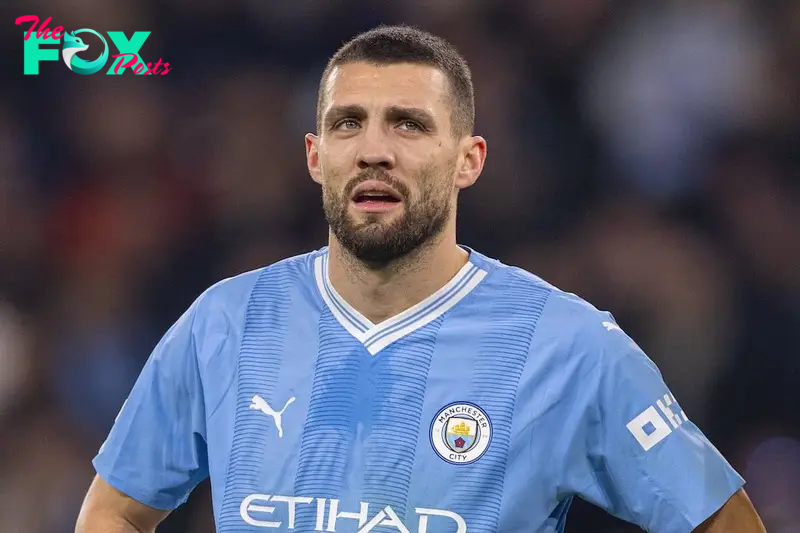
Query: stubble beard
{"type": "Point", "coordinates": [376, 242]}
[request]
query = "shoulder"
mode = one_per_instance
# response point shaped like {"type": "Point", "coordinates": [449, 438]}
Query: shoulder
{"type": "Point", "coordinates": [237, 290]}
{"type": "Point", "coordinates": [567, 325]}
{"type": "Point", "coordinates": [225, 302]}
{"type": "Point", "coordinates": [568, 313]}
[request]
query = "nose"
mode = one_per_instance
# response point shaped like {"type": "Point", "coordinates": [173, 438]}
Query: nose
{"type": "Point", "coordinates": [375, 150]}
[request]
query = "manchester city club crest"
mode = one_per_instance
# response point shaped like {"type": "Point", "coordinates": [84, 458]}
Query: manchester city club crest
{"type": "Point", "coordinates": [461, 432]}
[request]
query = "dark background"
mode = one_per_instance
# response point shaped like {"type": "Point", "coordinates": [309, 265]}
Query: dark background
{"type": "Point", "coordinates": [643, 155]}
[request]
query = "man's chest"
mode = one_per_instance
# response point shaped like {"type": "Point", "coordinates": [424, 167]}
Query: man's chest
{"type": "Point", "coordinates": [414, 438]}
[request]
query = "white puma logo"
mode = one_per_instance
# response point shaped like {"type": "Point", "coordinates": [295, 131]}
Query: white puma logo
{"type": "Point", "coordinates": [262, 405]}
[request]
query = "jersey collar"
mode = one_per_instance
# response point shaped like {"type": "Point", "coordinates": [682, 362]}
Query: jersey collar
{"type": "Point", "coordinates": [376, 337]}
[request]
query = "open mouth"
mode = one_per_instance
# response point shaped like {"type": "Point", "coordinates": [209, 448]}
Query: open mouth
{"type": "Point", "coordinates": [375, 197]}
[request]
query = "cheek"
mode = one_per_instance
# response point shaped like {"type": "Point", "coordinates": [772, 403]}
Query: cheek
{"type": "Point", "coordinates": [435, 183]}
{"type": "Point", "coordinates": [333, 182]}
{"type": "Point", "coordinates": [334, 170]}
{"type": "Point", "coordinates": [337, 152]}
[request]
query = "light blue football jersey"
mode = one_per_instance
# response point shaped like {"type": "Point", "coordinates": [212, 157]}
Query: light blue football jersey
{"type": "Point", "coordinates": [486, 408]}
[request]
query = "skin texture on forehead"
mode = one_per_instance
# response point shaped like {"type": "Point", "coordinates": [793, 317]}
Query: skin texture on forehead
{"type": "Point", "coordinates": [401, 84]}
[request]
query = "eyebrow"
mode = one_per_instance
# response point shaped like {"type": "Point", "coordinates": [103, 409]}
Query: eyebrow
{"type": "Point", "coordinates": [393, 114]}
{"type": "Point", "coordinates": [337, 113]}
{"type": "Point", "coordinates": [397, 113]}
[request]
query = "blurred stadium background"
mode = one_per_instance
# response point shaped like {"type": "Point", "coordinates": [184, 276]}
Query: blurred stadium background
{"type": "Point", "coordinates": [643, 155]}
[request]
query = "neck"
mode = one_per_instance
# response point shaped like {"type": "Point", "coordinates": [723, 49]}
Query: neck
{"type": "Point", "coordinates": [381, 293]}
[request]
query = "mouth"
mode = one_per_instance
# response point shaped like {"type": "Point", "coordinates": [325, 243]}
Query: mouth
{"type": "Point", "coordinates": [374, 196]}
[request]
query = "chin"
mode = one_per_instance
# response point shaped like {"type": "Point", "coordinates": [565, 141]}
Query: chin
{"type": "Point", "coordinates": [361, 219]}
{"type": "Point", "coordinates": [374, 233]}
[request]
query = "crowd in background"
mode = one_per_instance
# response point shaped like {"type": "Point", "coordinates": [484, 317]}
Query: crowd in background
{"type": "Point", "coordinates": [643, 155]}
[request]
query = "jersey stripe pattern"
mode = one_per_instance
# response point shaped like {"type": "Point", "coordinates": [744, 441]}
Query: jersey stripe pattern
{"type": "Point", "coordinates": [260, 360]}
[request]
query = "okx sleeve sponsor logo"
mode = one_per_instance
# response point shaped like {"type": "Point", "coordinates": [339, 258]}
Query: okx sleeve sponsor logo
{"type": "Point", "coordinates": [42, 42]}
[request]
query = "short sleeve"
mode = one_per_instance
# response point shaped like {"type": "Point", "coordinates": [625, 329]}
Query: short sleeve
{"type": "Point", "coordinates": [156, 450]}
{"type": "Point", "coordinates": [651, 465]}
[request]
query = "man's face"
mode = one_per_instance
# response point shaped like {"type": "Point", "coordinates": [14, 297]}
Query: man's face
{"type": "Point", "coordinates": [386, 158]}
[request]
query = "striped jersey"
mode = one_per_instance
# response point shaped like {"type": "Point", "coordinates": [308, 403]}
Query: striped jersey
{"type": "Point", "coordinates": [485, 408]}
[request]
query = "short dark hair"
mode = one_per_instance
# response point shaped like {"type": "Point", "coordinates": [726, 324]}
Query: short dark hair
{"type": "Point", "coordinates": [386, 45]}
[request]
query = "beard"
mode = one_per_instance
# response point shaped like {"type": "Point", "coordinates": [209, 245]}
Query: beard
{"type": "Point", "coordinates": [376, 242]}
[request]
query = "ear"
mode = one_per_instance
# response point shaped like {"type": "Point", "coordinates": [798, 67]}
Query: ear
{"type": "Point", "coordinates": [312, 157]}
{"type": "Point", "coordinates": [473, 150]}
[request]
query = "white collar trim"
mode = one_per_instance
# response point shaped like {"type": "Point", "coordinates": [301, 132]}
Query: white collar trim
{"type": "Point", "coordinates": [376, 337]}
